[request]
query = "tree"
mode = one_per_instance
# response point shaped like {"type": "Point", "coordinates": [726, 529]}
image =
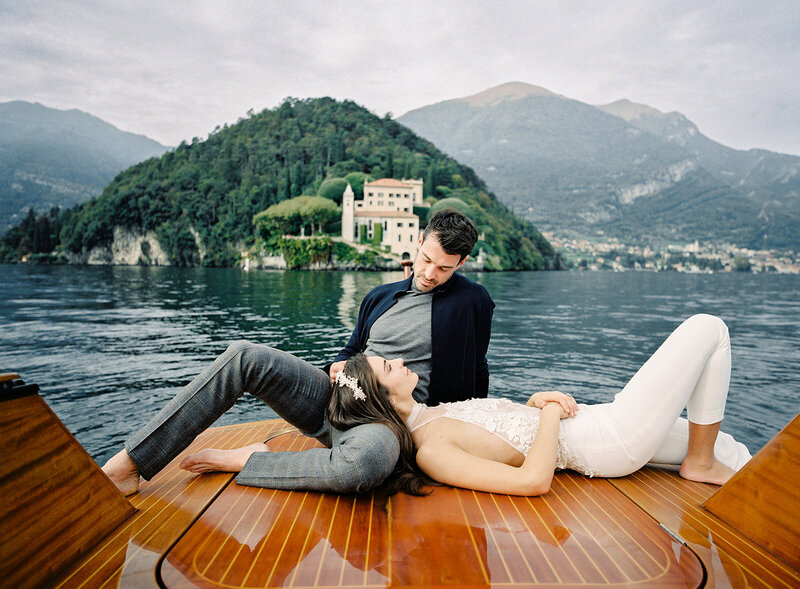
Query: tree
{"type": "Point", "coordinates": [297, 179]}
{"type": "Point", "coordinates": [430, 181]}
{"type": "Point", "coordinates": [333, 189]}
{"type": "Point", "coordinates": [453, 203]}
{"type": "Point", "coordinates": [742, 264]}
{"type": "Point", "coordinates": [390, 164]}
{"type": "Point", "coordinates": [356, 181]}
{"type": "Point", "coordinates": [316, 209]}
{"type": "Point", "coordinates": [293, 215]}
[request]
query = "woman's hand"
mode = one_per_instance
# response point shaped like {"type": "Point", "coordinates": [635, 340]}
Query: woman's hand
{"type": "Point", "coordinates": [569, 408]}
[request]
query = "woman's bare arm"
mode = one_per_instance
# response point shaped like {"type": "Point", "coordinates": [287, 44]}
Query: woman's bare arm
{"type": "Point", "coordinates": [446, 462]}
{"type": "Point", "coordinates": [566, 401]}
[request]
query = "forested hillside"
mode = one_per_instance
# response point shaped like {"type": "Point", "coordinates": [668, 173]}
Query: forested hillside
{"type": "Point", "coordinates": [200, 199]}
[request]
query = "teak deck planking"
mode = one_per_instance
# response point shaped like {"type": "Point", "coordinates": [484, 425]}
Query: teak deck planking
{"type": "Point", "coordinates": [582, 533]}
{"type": "Point", "coordinates": [203, 530]}
{"type": "Point", "coordinates": [166, 507]}
{"type": "Point", "coordinates": [730, 558]}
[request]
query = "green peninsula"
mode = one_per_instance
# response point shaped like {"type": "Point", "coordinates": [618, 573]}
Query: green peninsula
{"type": "Point", "coordinates": [196, 205]}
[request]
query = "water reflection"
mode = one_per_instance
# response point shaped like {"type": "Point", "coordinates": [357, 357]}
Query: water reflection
{"type": "Point", "coordinates": [109, 346]}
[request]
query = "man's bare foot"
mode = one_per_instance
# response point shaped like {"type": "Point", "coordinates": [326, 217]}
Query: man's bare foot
{"type": "Point", "coordinates": [123, 473]}
{"type": "Point", "coordinates": [211, 459]}
{"type": "Point", "coordinates": [715, 472]}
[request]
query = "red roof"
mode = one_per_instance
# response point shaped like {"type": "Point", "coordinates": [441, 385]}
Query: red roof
{"type": "Point", "coordinates": [388, 182]}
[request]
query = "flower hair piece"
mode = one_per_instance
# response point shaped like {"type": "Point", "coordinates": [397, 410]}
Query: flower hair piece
{"type": "Point", "coordinates": [351, 383]}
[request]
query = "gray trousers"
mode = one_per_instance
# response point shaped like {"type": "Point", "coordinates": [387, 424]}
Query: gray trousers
{"type": "Point", "coordinates": [353, 461]}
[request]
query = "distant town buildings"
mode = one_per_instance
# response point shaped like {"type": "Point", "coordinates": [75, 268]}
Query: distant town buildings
{"type": "Point", "coordinates": [385, 216]}
{"type": "Point", "coordinates": [608, 253]}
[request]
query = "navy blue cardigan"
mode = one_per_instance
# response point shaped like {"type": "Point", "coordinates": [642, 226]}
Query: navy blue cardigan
{"type": "Point", "coordinates": [461, 324]}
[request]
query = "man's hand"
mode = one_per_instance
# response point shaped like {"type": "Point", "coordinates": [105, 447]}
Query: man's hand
{"type": "Point", "coordinates": [336, 368]}
{"type": "Point", "coordinates": [569, 408]}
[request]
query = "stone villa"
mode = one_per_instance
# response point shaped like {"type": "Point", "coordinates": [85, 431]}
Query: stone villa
{"type": "Point", "coordinates": [387, 208]}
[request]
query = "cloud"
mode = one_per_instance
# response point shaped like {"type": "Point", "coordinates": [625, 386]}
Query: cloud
{"type": "Point", "coordinates": [177, 70]}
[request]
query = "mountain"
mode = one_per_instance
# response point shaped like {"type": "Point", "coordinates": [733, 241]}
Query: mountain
{"type": "Point", "coordinates": [198, 200]}
{"type": "Point", "coordinates": [771, 179]}
{"type": "Point", "coordinates": [51, 157]}
{"type": "Point", "coordinates": [624, 169]}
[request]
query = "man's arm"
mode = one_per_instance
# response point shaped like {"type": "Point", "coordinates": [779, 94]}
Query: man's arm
{"type": "Point", "coordinates": [483, 332]}
{"type": "Point", "coordinates": [352, 347]}
{"type": "Point", "coordinates": [350, 350]}
{"type": "Point", "coordinates": [361, 458]}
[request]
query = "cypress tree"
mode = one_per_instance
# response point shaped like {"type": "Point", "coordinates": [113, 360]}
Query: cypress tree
{"type": "Point", "coordinates": [431, 180]}
{"type": "Point", "coordinates": [390, 165]}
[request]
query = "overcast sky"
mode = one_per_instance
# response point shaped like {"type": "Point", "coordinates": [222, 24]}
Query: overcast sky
{"type": "Point", "coordinates": [175, 70]}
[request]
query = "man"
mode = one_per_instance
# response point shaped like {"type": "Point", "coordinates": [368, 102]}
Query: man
{"type": "Point", "coordinates": [438, 321]}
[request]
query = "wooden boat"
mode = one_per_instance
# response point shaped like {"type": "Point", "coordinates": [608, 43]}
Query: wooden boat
{"type": "Point", "coordinates": [65, 525]}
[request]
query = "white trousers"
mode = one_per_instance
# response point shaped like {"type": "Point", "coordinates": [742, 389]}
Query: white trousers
{"type": "Point", "coordinates": [691, 369]}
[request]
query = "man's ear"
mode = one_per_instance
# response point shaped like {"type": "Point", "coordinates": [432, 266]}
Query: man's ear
{"type": "Point", "coordinates": [421, 238]}
{"type": "Point", "coordinates": [461, 263]}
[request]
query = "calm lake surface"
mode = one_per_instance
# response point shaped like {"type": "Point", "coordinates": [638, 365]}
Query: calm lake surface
{"type": "Point", "coordinates": [110, 345]}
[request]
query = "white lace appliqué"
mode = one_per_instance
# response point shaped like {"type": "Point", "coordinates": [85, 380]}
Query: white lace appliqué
{"type": "Point", "coordinates": [514, 423]}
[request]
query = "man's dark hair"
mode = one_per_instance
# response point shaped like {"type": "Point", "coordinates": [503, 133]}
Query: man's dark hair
{"type": "Point", "coordinates": [454, 231]}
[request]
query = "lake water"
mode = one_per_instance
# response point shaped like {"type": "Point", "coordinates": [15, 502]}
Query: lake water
{"type": "Point", "coordinates": [110, 345]}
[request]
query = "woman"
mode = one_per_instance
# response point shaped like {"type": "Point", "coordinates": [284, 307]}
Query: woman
{"type": "Point", "coordinates": [498, 446]}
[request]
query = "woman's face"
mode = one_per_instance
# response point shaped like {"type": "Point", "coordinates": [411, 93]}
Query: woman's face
{"type": "Point", "coordinates": [392, 374]}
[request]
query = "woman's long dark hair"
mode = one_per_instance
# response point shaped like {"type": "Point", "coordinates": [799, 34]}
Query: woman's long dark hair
{"type": "Point", "coordinates": [346, 411]}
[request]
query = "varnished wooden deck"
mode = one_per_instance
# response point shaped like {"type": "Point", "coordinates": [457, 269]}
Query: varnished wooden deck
{"type": "Point", "coordinates": [583, 533]}
{"type": "Point", "coordinates": [730, 559]}
{"type": "Point", "coordinates": [206, 531]}
{"type": "Point", "coordinates": [166, 507]}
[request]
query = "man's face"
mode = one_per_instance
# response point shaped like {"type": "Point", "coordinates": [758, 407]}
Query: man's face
{"type": "Point", "coordinates": [433, 266]}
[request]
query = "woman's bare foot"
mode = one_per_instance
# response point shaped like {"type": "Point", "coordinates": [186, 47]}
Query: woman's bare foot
{"type": "Point", "coordinates": [211, 459]}
{"type": "Point", "coordinates": [714, 472]}
{"type": "Point", "coordinates": [123, 473]}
